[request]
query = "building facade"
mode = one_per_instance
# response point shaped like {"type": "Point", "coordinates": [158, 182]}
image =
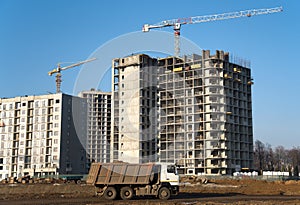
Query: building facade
{"type": "Point", "coordinates": [39, 135]}
{"type": "Point", "coordinates": [98, 125]}
{"type": "Point", "coordinates": [205, 114]}
{"type": "Point", "coordinates": [194, 111]}
{"type": "Point", "coordinates": [134, 122]}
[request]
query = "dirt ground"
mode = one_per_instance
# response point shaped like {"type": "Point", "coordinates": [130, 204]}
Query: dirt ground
{"type": "Point", "coordinates": [226, 191]}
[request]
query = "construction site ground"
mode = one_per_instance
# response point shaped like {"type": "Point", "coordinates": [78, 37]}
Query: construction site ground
{"type": "Point", "coordinates": [192, 191]}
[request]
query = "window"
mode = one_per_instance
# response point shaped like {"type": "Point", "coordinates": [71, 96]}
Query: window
{"type": "Point", "coordinates": [57, 101]}
{"type": "Point", "coordinates": [1, 167]}
{"type": "Point", "coordinates": [1, 160]}
{"type": "Point", "coordinates": [171, 169]}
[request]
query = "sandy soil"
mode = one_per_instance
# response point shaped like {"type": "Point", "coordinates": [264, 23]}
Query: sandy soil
{"type": "Point", "coordinates": [245, 191]}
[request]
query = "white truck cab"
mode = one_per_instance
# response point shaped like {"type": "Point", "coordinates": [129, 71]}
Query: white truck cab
{"type": "Point", "coordinates": [169, 175]}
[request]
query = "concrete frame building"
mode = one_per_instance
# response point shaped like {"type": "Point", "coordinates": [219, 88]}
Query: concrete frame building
{"type": "Point", "coordinates": [205, 114]}
{"type": "Point", "coordinates": [98, 125]}
{"type": "Point", "coordinates": [40, 136]}
{"type": "Point", "coordinates": [134, 122]}
{"type": "Point", "coordinates": [203, 107]}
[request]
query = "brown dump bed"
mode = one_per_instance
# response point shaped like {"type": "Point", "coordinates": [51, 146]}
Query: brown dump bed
{"type": "Point", "coordinates": [121, 173]}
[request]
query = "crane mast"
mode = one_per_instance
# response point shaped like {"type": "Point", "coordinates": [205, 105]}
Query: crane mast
{"type": "Point", "coordinates": [59, 69]}
{"type": "Point", "coordinates": [176, 23]}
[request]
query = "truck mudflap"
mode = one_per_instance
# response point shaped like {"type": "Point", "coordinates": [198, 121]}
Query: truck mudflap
{"type": "Point", "coordinates": [174, 190]}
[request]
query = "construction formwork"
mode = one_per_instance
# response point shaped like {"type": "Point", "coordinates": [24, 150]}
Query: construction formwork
{"type": "Point", "coordinates": [205, 114]}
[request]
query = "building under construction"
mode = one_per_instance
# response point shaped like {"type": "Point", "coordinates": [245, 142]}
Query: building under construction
{"type": "Point", "coordinates": [203, 107]}
{"type": "Point", "coordinates": [205, 114]}
{"type": "Point", "coordinates": [98, 125]}
{"type": "Point", "coordinates": [135, 114]}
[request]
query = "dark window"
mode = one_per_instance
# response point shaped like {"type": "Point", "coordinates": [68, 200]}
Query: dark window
{"type": "Point", "coordinates": [171, 169]}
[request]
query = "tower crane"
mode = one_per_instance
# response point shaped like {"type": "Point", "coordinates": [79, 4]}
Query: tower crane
{"type": "Point", "coordinates": [177, 23]}
{"type": "Point", "coordinates": [59, 69]}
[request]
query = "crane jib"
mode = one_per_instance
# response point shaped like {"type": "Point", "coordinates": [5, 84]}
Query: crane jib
{"type": "Point", "coordinates": [216, 17]}
{"type": "Point", "coordinates": [176, 23]}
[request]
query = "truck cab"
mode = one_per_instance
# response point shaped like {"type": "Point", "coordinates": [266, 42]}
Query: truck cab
{"type": "Point", "coordinates": [169, 177]}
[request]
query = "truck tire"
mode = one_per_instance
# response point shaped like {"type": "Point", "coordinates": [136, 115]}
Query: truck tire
{"type": "Point", "coordinates": [164, 193]}
{"type": "Point", "coordinates": [110, 193]}
{"type": "Point", "coordinates": [126, 193]}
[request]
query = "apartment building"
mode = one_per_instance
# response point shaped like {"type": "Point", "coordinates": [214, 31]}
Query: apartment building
{"type": "Point", "coordinates": [205, 114]}
{"type": "Point", "coordinates": [42, 135]}
{"type": "Point", "coordinates": [134, 121]}
{"type": "Point", "coordinates": [98, 125]}
{"type": "Point", "coordinates": [203, 107]}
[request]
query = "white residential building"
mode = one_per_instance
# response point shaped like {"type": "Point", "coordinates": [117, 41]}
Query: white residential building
{"type": "Point", "coordinates": [39, 136]}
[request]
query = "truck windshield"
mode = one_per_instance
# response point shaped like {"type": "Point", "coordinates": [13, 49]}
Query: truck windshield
{"type": "Point", "coordinates": [171, 169]}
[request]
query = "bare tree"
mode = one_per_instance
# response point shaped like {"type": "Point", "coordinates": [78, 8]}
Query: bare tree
{"type": "Point", "coordinates": [259, 155]}
{"type": "Point", "coordinates": [269, 158]}
{"type": "Point", "coordinates": [280, 159]}
{"type": "Point", "coordinates": [294, 157]}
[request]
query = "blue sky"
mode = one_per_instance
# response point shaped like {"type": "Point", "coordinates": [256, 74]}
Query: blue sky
{"type": "Point", "coordinates": [36, 35]}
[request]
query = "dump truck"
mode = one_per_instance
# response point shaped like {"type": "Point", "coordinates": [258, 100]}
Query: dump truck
{"type": "Point", "coordinates": [126, 180]}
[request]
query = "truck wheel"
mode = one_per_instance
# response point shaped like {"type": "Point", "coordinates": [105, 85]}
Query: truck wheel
{"type": "Point", "coordinates": [126, 193]}
{"type": "Point", "coordinates": [164, 193]}
{"type": "Point", "coordinates": [110, 193]}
